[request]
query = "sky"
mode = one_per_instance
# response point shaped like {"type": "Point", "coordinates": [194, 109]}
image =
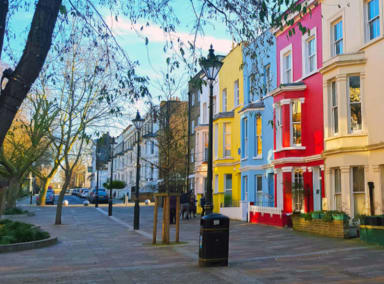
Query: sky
{"type": "Point", "coordinates": [151, 57]}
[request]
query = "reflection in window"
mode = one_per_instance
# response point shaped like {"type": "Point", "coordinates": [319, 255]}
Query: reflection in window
{"type": "Point", "coordinates": [373, 19]}
{"type": "Point", "coordinates": [338, 38]}
{"type": "Point", "coordinates": [354, 103]}
{"type": "Point", "coordinates": [296, 122]}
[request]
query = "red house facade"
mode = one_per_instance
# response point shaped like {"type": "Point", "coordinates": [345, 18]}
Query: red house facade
{"type": "Point", "coordinates": [298, 117]}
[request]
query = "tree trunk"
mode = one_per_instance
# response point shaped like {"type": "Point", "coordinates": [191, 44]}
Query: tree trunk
{"type": "Point", "coordinates": [12, 193]}
{"type": "Point", "coordinates": [3, 191]}
{"type": "Point", "coordinates": [33, 58]}
{"type": "Point", "coordinates": [59, 207]}
{"type": "Point", "coordinates": [43, 191]}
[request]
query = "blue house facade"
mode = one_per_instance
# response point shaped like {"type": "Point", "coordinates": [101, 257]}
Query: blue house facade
{"type": "Point", "coordinates": [257, 176]}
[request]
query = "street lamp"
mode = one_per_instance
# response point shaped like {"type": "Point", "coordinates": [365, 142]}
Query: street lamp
{"type": "Point", "coordinates": [211, 67]}
{"type": "Point", "coordinates": [111, 179]}
{"type": "Point", "coordinates": [138, 122]}
{"type": "Point", "coordinates": [98, 153]}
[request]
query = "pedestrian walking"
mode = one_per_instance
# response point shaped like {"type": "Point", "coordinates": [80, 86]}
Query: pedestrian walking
{"type": "Point", "coordinates": [202, 204]}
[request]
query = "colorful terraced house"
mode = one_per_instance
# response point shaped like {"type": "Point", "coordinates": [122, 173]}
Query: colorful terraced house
{"type": "Point", "coordinates": [257, 130]}
{"type": "Point", "coordinates": [226, 131]}
{"type": "Point", "coordinates": [298, 116]}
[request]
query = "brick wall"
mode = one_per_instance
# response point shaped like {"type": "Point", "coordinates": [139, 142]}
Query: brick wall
{"type": "Point", "coordinates": [334, 228]}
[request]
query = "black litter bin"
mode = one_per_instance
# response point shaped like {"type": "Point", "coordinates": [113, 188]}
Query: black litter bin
{"type": "Point", "coordinates": [214, 239]}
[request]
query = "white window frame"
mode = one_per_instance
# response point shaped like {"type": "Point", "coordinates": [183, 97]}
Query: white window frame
{"type": "Point", "coordinates": [224, 100]}
{"type": "Point", "coordinates": [257, 146]}
{"type": "Point", "coordinates": [267, 78]}
{"type": "Point", "coordinates": [225, 133]}
{"type": "Point", "coordinates": [216, 130]}
{"type": "Point", "coordinates": [283, 53]}
{"type": "Point", "coordinates": [335, 191]}
{"type": "Point", "coordinates": [279, 127]}
{"type": "Point", "coordinates": [236, 93]}
{"type": "Point", "coordinates": [205, 113]}
{"type": "Point", "coordinates": [245, 137]}
{"type": "Point", "coordinates": [334, 108]}
{"type": "Point", "coordinates": [259, 190]}
{"type": "Point", "coordinates": [333, 40]}
{"type": "Point", "coordinates": [245, 184]}
{"type": "Point", "coordinates": [216, 183]}
{"type": "Point", "coordinates": [367, 21]}
{"type": "Point", "coordinates": [350, 130]}
{"type": "Point", "coordinates": [306, 38]}
{"type": "Point", "coordinates": [352, 187]}
{"type": "Point", "coordinates": [291, 121]}
{"type": "Point", "coordinates": [225, 182]}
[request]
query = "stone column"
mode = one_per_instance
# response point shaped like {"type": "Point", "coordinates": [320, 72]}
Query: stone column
{"type": "Point", "coordinates": [346, 192]}
{"type": "Point", "coordinates": [329, 191]}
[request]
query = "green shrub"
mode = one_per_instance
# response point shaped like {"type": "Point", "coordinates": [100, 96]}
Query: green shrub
{"type": "Point", "coordinates": [18, 232]}
{"type": "Point", "coordinates": [14, 211]}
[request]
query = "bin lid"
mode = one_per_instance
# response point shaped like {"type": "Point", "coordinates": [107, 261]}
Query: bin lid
{"type": "Point", "coordinates": [215, 216]}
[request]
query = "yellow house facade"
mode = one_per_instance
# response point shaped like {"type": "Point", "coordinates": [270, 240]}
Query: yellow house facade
{"type": "Point", "coordinates": [353, 68]}
{"type": "Point", "coordinates": [226, 130]}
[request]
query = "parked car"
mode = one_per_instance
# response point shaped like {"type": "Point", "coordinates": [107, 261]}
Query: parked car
{"type": "Point", "coordinates": [49, 198]}
{"type": "Point", "coordinates": [103, 196]}
{"type": "Point", "coordinates": [75, 191]}
{"type": "Point", "coordinates": [84, 193]}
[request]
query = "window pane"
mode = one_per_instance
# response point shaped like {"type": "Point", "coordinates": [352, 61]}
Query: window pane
{"type": "Point", "coordinates": [354, 101]}
{"type": "Point", "coordinates": [373, 9]}
{"type": "Point", "coordinates": [374, 28]}
{"type": "Point", "coordinates": [359, 200]}
{"type": "Point", "coordinates": [259, 183]}
{"type": "Point", "coordinates": [337, 181]}
{"type": "Point", "coordinates": [335, 120]}
{"type": "Point", "coordinates": [358, 179]}
{"type": "Point", "coordinates": [228, 182]}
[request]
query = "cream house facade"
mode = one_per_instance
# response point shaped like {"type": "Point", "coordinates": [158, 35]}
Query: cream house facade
{"type": "Point", "coordinates": [353, 73]}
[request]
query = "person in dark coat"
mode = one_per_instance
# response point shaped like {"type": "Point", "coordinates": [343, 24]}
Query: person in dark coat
{"type": "Point", "coordinates": [202, 204]}
{"type": "Point", "coordinates": [172, 208]}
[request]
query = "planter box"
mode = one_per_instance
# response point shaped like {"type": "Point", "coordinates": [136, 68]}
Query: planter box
{"type": "Point", "coordinates": [372, 234]}
{"type": "Point", "coordinates": [335, 228]}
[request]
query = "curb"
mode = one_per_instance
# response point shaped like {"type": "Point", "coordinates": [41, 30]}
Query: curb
{"type": "Point", "coordinates": [28, 245]}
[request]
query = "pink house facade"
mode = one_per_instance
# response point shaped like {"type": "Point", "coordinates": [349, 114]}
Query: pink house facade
{"type": "Point", "coordinates": [298, 117]}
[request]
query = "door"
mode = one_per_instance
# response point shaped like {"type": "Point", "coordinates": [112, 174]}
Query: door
{"type": "Point", "coordinates": [316, 189]}
{"type": "Point", "coordinates": [271, 190]}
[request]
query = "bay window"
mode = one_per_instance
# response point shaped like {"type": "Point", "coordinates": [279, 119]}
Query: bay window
{"type": "Point", "coordinates": [296, 123]}
{"type": "Point", "coordinates": [245, 138]}
{"type": "Point", "coordinates": [354, 112]}
{"type": "Point", "coordinates": [224, 101]}
{"type": "Point", "coordinates": [334, 109]}
{"type": "Point", "coordinates": [258, 138]}
{"type": "Point", "coordinates": [287, 67]}
{"type": "Point", "coordinates": [227, 140]}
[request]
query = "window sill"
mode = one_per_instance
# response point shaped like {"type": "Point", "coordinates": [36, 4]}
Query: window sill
{"type": "Point", "coordinates": [244, 159]}
{"type": "Point", "coordinates": [225, 158]}
{"type": "Point", "coordinates": [305, 76]}
{"type": "Point", "coordinates": [338, 136]}
{"type": "Point", "coordinates": [258, 157]}
{"type": "Point", "coordinates": [289, 148]}
{"type": "Point", "coordinates": [371, 42]}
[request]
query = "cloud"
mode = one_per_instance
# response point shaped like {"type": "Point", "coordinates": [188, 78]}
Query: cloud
{"type": "Point", "coordinates": [154, 33]}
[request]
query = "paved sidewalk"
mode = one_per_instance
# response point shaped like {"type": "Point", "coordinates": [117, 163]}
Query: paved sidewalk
{"type": "Point", "coordinates": [95, 248]}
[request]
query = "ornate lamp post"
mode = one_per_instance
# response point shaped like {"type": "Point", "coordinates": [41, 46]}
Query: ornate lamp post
{"type": "Point", "coordinates": [211, 67]}
{"type": "Point", "coordinates": [138, 122]}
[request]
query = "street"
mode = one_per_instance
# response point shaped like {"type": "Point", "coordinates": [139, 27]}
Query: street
{"type": "Point", "coordinates": [95, 248]}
